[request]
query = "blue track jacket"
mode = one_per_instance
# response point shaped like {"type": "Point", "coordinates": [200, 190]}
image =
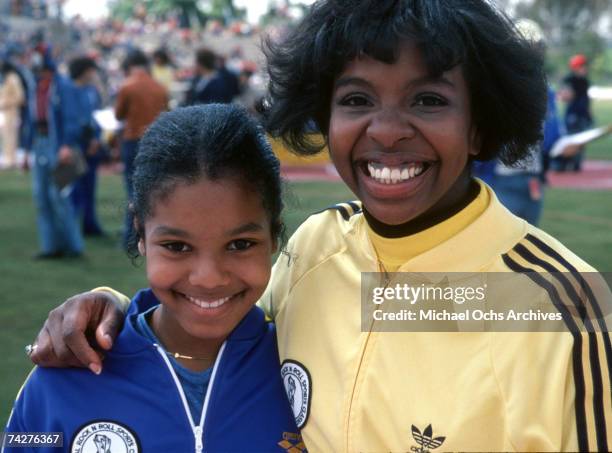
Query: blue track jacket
{"type": "Point", "coordinates": [137, 404]}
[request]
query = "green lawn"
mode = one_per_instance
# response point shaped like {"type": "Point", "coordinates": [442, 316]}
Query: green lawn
{"type": "Point", "coordinates": [29, 289]}
{"type": "Point", "coordinates": [601, 149]}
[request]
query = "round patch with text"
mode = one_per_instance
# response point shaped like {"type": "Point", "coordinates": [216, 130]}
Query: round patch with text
{"type": "Point", "coordinates": [104, 436]}
{"type": "Point", "coordinates": [298, 386]}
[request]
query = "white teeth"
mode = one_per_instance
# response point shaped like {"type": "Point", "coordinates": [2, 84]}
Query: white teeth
{"type": "Point", "coordinates": [385, 174]}
{"type": "Point", "coordinates": [394, 175]}
{"type": "Point", "coordinates": [207, 304]}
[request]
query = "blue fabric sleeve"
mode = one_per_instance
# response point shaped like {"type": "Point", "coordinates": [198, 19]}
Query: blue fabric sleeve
{"type": "Point", "coordinates": [67, 117]}
{"type": "Point", "coordinates": [26, 415]}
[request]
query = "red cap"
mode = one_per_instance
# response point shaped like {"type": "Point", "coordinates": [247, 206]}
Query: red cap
{"type": "Point", "coordinates": [577, 61]}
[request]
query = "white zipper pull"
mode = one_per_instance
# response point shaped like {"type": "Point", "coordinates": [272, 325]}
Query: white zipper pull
{"type": "Point", "coordinates": [197, 433]}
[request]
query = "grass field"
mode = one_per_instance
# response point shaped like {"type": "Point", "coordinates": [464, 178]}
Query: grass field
{"type": "Point", "coordinates": [29, 289]}
{"type": "Point", "coordinates": [601, 149]}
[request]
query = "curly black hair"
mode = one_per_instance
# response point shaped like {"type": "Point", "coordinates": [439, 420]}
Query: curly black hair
{"type": "Point", "coordinates": [503, 70]}
{"type": "Point", "coordinates": [214, 141]}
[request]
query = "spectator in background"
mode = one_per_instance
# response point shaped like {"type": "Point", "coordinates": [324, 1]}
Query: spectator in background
{"type": "Point", "coordinates": [575, 93]}
{"type": "Point", "coordinates": [12, 99]}
{"type": "Point", "coordinates": [139, 101]}
{"type": "Point", "coordinates": [56, 131]}
{"type": "Point", "coordinates": [163, 69]}
{"type": "Point", "coordinates": [26, 132]}
{"type": "Point", "coordinates": [520, 187]}
{"type": "Point", "coordinates": [213, 82]}
{"type": "Point", "coordinates": [87, 100]}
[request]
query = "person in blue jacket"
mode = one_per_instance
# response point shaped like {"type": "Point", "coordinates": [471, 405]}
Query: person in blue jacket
{"type": "Point", "coordinates": [56, 132]}
{"type": "Point", "coordinates": [195, 367]}
{"type": "Point", "coordinates": [86, 101]}
{"type": "Point", "coordinates": [213, 82]}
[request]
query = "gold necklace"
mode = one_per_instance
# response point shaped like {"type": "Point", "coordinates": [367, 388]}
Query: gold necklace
{"type": "Point", "coordinates": [176, 355]}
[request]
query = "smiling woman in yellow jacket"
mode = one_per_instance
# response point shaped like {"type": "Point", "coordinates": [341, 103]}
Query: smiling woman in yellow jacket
{"type": "Point", "coordinates": [367, 390]}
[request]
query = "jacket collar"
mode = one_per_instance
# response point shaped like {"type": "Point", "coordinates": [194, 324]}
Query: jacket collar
{"type": "Point", "coordinates": [474, 248]}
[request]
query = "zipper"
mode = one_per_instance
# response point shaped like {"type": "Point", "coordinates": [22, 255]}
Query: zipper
{"type": "Point", "coordinates": [198, 430]}
{"type": "Point", "coordinates": [199, 443]}
{"type": "Point", "coordinates": [356, 387]}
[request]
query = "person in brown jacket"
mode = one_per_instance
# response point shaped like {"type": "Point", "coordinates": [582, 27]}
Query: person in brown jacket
{"type": "Point", "coordinates": [139, 101]}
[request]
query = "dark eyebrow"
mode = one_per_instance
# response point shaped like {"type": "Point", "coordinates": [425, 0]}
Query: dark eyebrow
{"type": "Point", "coordinates": [250, 227]}
{"type": "Point", "coordinates": [165, 230]}
{"type": "Point", "coordinates": [428, 79]}
{"type": "Point", "coordinates": [434, 80]}
{"type": "Point", "coordinates": [343, 81]}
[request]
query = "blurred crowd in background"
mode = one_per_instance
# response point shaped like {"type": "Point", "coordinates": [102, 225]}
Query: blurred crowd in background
{"type": "Point", "coordinates": [170, 42]}
{"type": "Point", "coordinates": [58, 75]}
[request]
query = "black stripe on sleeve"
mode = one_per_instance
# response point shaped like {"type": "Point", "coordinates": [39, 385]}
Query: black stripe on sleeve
{"type": "Point", "coordinates": [581, 425]}
{"type": "Point", "coordinates": [355, 206]}
{"type": "Point", "coordinates": [343, 211]}
{"type": "Point", "coordinates": [598, 395]}
{"type": "Point", "coordinates": [550, 252]}
{"type": "Point", "coordinates": [545, 248]}
{"type": "Point", "coordinates": [558, 275]}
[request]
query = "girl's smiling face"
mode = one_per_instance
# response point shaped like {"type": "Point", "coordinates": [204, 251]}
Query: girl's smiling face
{"type": "Point", "coordinates": [208, 247]}
{"type": "Point", "coordinates": [401, 138]}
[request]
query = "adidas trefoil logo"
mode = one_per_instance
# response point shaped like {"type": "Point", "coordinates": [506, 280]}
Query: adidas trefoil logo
{"type": "Point", "coordinates": [425, 440]}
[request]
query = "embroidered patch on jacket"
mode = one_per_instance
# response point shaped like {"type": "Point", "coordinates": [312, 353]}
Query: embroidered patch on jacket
{"type": "Point", "coordinates": [298, 386]}
{"type": "Point", "coordinates": [104, 436]}
{"type": "Point", "coordinates": [292, 443]}
{"type": "Point", "coordinates": [425, 440]}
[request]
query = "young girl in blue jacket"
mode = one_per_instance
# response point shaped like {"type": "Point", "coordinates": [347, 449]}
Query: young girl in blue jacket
{"type": "Point", "coordinates": [196, 366]}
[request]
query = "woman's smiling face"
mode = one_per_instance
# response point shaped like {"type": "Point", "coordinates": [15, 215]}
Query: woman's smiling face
{"type": "Point", "coordinates": [400, 138]}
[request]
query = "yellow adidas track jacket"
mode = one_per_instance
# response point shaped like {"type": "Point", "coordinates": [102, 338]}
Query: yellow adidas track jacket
{"type": "Point", "coordinates": [354, 391]}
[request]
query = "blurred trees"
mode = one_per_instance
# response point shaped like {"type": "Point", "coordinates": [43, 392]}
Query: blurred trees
{"type": "Point", "coordinates": [189, 12]}
{"type": "Point", "coordinates": [284, 11]}
{"type": "Point", "coordinates": [224, 8]}
{"type": "Point", "coordinates": [564, 21]}
{"type": "Point", "coordinates": [573, 26]}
